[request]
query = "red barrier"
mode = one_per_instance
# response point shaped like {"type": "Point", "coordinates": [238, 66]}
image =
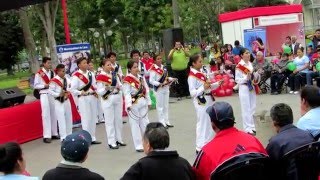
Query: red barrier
{"type": "Point", "coordinates": [21, 123]}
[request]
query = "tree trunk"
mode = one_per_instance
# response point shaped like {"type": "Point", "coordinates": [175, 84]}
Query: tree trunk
{"type": "Point", "coordinates": [29, 41]}
{"type": "Point", "coordinates": [47, 13]}
{"type": "Point", "coordinates": [176, 15]}
{"type": "Point", "coordinates": [44, 41]}
{"type": "Point", "coordinates": [50, 34]}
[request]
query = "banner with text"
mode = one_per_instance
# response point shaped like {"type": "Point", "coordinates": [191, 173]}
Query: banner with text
{"type": "Point", "coordinates": [69, 53]}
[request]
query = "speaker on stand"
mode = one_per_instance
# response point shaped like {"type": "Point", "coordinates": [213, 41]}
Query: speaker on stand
{"type": "Point", "coordinates": [11, 97]}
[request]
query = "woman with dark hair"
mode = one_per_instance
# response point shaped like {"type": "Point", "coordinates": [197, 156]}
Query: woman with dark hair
{"type": "Point", "coordinates": [247, 95]}
{"type": "Point", "coordinates": [137, 103]}
{"type": "Point", "coordinates": [310, 110]}
{"type": "Point", "coordinates": [298, 76]}
{"type": "Point", "coordinates": [109, 89]}
{"type": "Point", "coordinates": [200, 89]}
{"type": "Point", "coordinates": [257, 46]}
{"type": "Point", "coordinates": [12, 162]}
{"type": "Point", "coordinates": [161, 82]}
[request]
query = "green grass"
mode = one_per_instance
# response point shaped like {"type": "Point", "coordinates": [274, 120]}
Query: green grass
{"type": "Point", "coordinates": [12, 81]}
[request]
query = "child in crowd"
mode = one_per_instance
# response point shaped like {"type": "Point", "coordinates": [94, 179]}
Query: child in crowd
{"type": "Point", "coordinates": [277, 59]}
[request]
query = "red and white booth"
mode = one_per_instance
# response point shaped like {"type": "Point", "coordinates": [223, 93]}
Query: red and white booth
{"type": "Point", "coordinates": [278, 21]}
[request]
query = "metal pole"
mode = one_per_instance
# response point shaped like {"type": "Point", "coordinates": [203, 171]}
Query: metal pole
{"type": "Point", "coordinates": [65, 21]}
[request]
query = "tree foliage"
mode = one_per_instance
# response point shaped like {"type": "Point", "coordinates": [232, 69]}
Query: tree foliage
{"type": "Point", "coordinates": [11, 39]}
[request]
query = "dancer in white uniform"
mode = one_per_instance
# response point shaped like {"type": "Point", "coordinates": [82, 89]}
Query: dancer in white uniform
{"type": "Point", "coordinates": [200, 90]}
{"type": "Point", "coordinates": [247, 94]}
{"type": "Point", "coordinates": [41, 83]}
{"type": "Point", "coordinates": [137, 100]}
{"type": "Point", "coordinates": [59, 88]}
{"type": "Point", "coordinates": [161, 83]}
{"type": "Point", "coordinates": [109, 88]}
{"type": "Point", "coordinates": [83, 85]}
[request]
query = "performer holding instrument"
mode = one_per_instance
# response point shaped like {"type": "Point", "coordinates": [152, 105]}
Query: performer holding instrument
{"type": "Point", "coordinates": [59, 88]}
{"type": "Point", "coordinates": [200, 89]}
{"type": "Point", "coordinates": [41, 85]}
{"type": "Point", "coordinates": [137, 101]}
{"type": "Point", "coordinates": [109, 88]}
{"type": "Point", "coordinates": [161, 83]}
{"type": "Point", "coordinates": [248, 87]}
{"type": "Point", "coordinates": [83, 85]}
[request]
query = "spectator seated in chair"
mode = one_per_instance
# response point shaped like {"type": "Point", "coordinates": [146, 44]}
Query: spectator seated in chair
{"type": "Point", "coordinates": [160, 163]}
{"type": "Point", "coordinates": [262, 66]}
{"type": "Point", "coordinates": [228, 142]}
{"type": "Point", "coordinates": [313, 73]}
{"type": "Point", "coordinates": [12, 163]}
{"type": "Point", "coordinates": [279, 74]}
{"type": "Point", "coordinates": [298, 77]}
{"type": "Point", "coordinates": [288, 136]}
{"type": "Point", "coordinates": [310, 110]}
{"type": "Point", "coordinates": [74, 150]}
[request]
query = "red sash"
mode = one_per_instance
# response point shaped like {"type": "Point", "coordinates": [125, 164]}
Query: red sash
{"type": "Point", "coordinates": [156, 70]}
{"type": "Point", "coordinates": [243, 68]}
{"type": "Point", "coordinates": [104, 79]}
{"type": "Point", "coordinates": [134, 82]}
{"type": "Point", "coordinates": [246, 71]}
{"type": "Point", "coordinates": [57, 81]}
{"type": "Point", "coordinates": [44, 76]}
{"type": "Point", "coordinates": [200, 76]}
{"type": "Point", "coordinates": [83, 79]}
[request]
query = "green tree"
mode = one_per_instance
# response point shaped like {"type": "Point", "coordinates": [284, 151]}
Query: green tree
{"type": "Point", "coordinates": [11, 40]}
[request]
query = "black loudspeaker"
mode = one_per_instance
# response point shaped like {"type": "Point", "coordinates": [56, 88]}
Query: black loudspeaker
{"type": "Point", "coordinates": [11, 97]}
{"type": "Point", "coordinates": [170, 36]}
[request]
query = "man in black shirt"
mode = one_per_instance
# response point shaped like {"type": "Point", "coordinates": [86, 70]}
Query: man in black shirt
{"type": "Point", "coordinates": [74, 150]}
{"type": "Point", "coordinates": [160, 163]}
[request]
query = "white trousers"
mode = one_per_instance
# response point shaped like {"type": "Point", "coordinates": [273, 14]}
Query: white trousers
{"type": "Point", "coordinates": [138, 119]}
{"type": "Point", "coordinates": [99, 116]}
{"type": "Point", "coordinates": [248, 107]}
{"type": "Point", "coordinates": [112, 108]}
{"type": "Point", "coordinates": [100, 112]}
{"type": "Point", "coordinates": [162, 97]}
{"type": "Point", "coordinates": [64, 116]}
{"type": "Point", "coordinates": [88, 113]}
{"type": "Point", "coordinates": [49, 120]}
{"type": "Point", "coordinates": [204, 131]}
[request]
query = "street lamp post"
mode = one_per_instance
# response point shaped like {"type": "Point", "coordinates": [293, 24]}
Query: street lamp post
{"type": "Point", "coordinates": [109, 34]}
{"type": "Point", "coordinates": [102, 23]}
{"type": "Point", "coordinates": [96, 35]}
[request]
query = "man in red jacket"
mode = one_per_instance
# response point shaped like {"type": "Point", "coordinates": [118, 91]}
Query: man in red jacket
{"type": "Point", "coordinates": [227, 143]}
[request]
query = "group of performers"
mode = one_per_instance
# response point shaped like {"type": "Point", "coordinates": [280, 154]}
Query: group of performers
{"type": "Point", "coordinates": [102, 92]}
{"type": "Point", "coordinates": [101, 95]}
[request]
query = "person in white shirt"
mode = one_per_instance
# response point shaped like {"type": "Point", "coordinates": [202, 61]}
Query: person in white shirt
{"type": "Point", "coordinates": [247, 94]}
{"type": "Point", "coordinates": [109, 88]}
{"type": "Point", "coordinates": [200, 89]}
{"type": "Point", "coordinates": [83, 85]}
{"type": "Point", "coordinates": [137, 103]}
{"type": "Point", "coordinates": [161, 83]}
{"type": "Point", "coordinates": [59, 88]}
{"type": "Point", "coordinates": [41, 83]}
{"type": "Point", "coordinates": [116, 67]}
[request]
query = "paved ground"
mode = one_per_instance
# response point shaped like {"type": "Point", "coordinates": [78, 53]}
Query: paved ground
{"type": "Point", "coordinates": [113, 163]}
